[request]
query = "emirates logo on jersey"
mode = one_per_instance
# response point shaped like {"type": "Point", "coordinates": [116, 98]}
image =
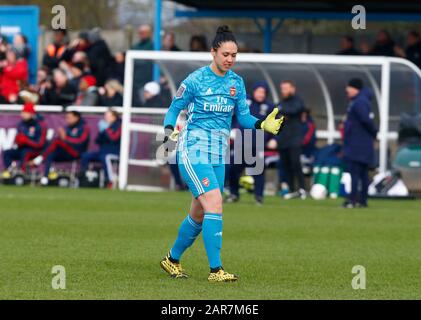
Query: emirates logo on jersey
{"type": "Point", "coordinates": [233, 91]}
{"type": "Point", "coordinates": [205, 182]}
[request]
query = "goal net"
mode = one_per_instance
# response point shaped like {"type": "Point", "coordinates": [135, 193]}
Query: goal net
{"type": "Point", "coordinates": [320, 81]}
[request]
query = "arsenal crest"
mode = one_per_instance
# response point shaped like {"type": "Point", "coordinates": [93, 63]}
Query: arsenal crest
{"type": "Point", "coordinates": [205, 182]}
{"type": "Point", "coordinates": [233, 91]}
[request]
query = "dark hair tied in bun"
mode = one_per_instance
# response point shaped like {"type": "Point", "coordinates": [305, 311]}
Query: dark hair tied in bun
{"type": "Point", "coordinates": [223, 34]}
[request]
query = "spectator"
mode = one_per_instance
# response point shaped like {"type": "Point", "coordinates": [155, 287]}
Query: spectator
{"type": "Point", "coordinates": [99, 56]}
{"type": "Point", "coordinates": [359, 135]}
{"type": "Point", "coordinates": [168, 42]}
{"type": "Point", "coordinates": [59, 91]}
{"type": "Point", "coordinates": [347, 46]}
{"type": "Point", "coordinates": [365, 47]}
{"type": "Point", "coordinates": [77, 71]}
{"type": "Point", "coordinates": [112, 94]}
{"type": "Point", "coordinates": [14, 76]}
{"type": "Point", "coordinates": [151, 95]}
{"type": "Point", "coordinates": [108, 140]}
{"type": "Point", "coordinates": [384, 45]}
{"type": "Point", "coordinates": [88, 92]}
{"type": "Point", "coordinates": [39, 88]}
{"type": "Point", "coordinates": [71, 142]}
{"type": "Point", "coordinates": [145, 38]}
{"type": "Point", "coordinates": [309, 141]}
{"type": "Point", "coordinates": [29, 141]}
{"type": "Point", "coordinates": [198, 43]}
{"type": "Point", "coordinates": [55, 51]}
{"type": "Point", "coordinates": [260, 107]}
{"type": "Point", "coordinates": [413, 49]}
{"type": "Point", "coordinates": [81, 57]}
{"type": "Point", "coordinates": [21, 47]}
{"type": "Point", "coordinates": [116, 70]}
{"type": "Point", "coordinates": [81, 43]}
{"type": "Point", "coordinates": [290, 138]}
{"type": "Point", "coordinates": [165, 93]}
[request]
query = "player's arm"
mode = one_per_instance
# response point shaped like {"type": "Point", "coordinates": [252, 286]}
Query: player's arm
{"type": "Point", "coordinates": [247, 121]}
{"type": "Point", "coordinates": [183, 97]}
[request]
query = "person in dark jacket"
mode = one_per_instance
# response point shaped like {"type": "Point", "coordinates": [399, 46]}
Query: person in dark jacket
{"type": "Point", "coordinates": [168, 42]}
{"type": "Point", "coordinates": [309, 141]}
{"type": "Point", "coordinates": [145, 38]}
{"type": "Point", "coordinates": [348, 46]}
{"type": "Point", "coordinates": [77, 71]}
{"type": "Point", "coordinates": [260, 107]}
{"type": "Point", "coordinates": [59, 91]}
{"type": "Point", "coordinates": [111, 95]}
{"type": "Point", "coordinates": [99, 55]}
{"type": "Point", "coordinates": [290, 139]}
{"type": "Point", "coordinates": [384, 45]}
{"type": "Point", "coordinates": [108, 139]}
{"type": "Point", "coordinates": [309, 134]}
{"type": "Point", "coordinates": [117, 67]}
{"type": "Point", "coordinates": [359, 134]}
{"type": "Point", "coordinates": [71, 142]}
{"type": "Point", "coordinates": [413, 49]}
{"type": "Point", "coordinates": [152, 95]}
{"type": "Point", "coordinates": [30, 138]}
{"type": "Point", "coordinates": [56, 51]}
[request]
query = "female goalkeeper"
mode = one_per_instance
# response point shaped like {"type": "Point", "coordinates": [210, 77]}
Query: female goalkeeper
{"type": "Point", "coordinates": [211, 95]}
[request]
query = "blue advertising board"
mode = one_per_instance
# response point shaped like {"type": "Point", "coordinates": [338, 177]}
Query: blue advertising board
{"type": "Point", "coordinates": [25, 20]}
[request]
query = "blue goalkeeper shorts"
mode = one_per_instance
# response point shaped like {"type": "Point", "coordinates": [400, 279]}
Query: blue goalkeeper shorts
{"type": "Point", "coordinates": [201, 177]}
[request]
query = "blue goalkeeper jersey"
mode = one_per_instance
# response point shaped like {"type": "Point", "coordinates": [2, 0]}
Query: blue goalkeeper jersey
{"type": "Point", "coordinates": [211, 101]}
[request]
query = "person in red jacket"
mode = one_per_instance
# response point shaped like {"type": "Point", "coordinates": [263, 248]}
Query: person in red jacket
{"type": "Point", "coordinates": [15, 72]}
{"type": "Point", "coordinates": [30, 138]}
{"type": "Point", "coordinates": [71, 142]}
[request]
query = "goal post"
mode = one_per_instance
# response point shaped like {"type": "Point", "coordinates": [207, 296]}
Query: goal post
{"type": "Point", "coordinates": [322, 79]}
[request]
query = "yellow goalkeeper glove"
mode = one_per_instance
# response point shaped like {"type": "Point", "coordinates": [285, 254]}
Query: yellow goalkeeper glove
{"type": "Point", "coordinates": [271, 124]}
{"type": "Point", "coordinates": [170, 140]}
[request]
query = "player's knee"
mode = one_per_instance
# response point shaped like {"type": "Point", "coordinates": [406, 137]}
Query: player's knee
{"type": "Point", "coordinates": [216, 204]}
{"type": "Point", "coordinates": [198, 216]}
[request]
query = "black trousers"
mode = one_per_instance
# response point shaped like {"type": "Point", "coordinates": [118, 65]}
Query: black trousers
{"type": "Point", "coordinates": [234, 173]}
{"type": "Point", "coordinates": [291, 163]}
{"type": "Point", "coordinates": [359, 178]}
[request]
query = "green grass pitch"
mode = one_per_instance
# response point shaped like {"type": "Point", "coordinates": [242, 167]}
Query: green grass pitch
{"type": "Point", "coordinates": [110, 244]}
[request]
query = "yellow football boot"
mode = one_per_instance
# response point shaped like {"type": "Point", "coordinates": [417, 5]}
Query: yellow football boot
{"type": "Point", "coordinates": [222, 276]}
{"type": "Point", "coordinates": [173, 269]}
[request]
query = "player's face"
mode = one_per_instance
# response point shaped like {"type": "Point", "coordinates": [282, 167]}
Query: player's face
{"type": "Point", "coordinates": [224, 57]}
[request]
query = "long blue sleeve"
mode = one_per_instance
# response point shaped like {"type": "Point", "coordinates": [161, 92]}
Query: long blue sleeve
{"type": "Point", "coordinates": [242, 110]}
{"type": "Point", "coordinates": [183, 97]}
{"type": "Point", "coordinates": [247, 121]}
{"type": "Point", "coordinates": [171, 116]}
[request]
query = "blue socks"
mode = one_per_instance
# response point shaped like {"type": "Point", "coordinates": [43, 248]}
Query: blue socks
{"type": "Point", "coordinates": [187, 233]}
{"type": "Point", "coordinates": [212, 237]}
